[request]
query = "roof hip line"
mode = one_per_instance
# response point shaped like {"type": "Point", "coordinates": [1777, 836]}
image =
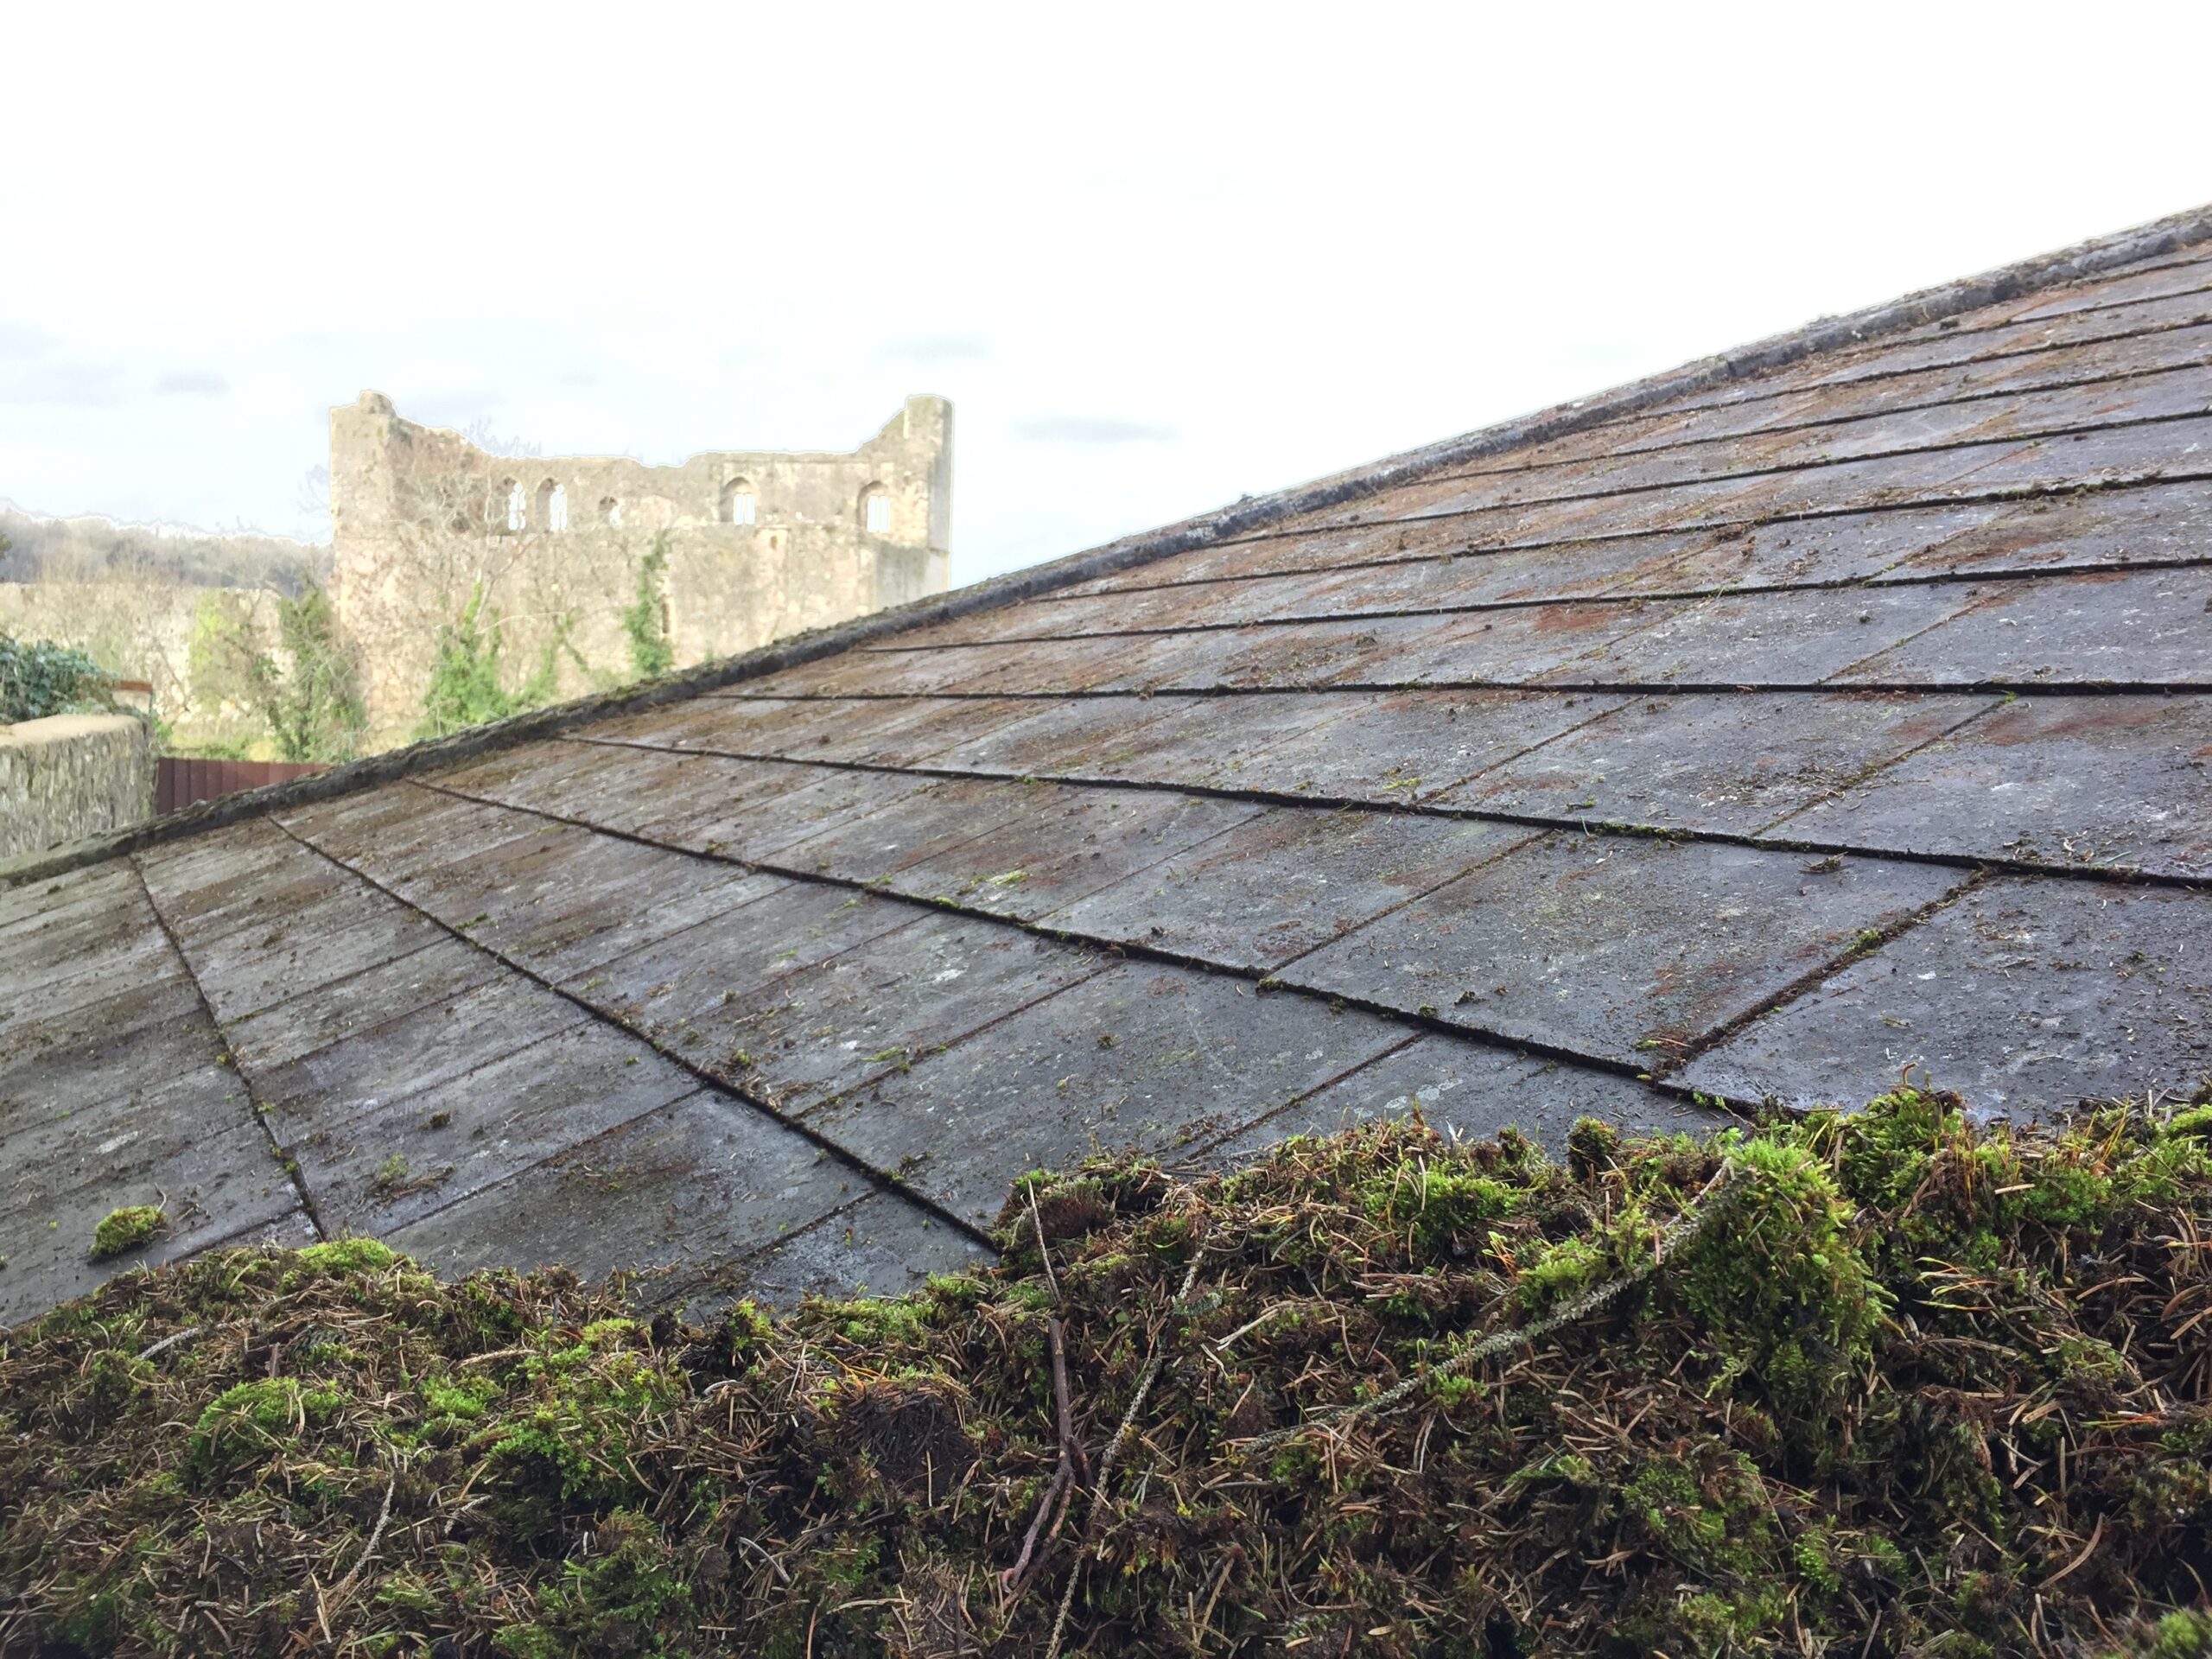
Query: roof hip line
{"type": "Point", "coordinates": [255, 1105]}
{"type": "Point", "coordinates": [877, 1178]}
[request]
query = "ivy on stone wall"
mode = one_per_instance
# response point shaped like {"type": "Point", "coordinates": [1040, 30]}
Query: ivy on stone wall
{"type": "Point", "coordinates": [644, 622]}
{"type": "Point", "coordinates": [315, 708]}
{"type": "Point", "coordinates": [464, 689]}
{"type": "Point", "coordinates": [38, 678]}
{"type": "Point", "coordinates": [310, 700]}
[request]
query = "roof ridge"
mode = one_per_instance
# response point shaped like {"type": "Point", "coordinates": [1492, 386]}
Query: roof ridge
{"type": "Point", "coordinates": [2092, 258]}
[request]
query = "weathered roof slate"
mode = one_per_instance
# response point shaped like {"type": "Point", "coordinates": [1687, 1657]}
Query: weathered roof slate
{"type": "Point", "coordinates": [1751, 734]}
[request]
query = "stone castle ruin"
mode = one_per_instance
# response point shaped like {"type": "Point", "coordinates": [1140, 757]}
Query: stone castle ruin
{"type": "Point", "coordinates": [564, 565]}
{"type": "Point", "coordinates": [725, 552]}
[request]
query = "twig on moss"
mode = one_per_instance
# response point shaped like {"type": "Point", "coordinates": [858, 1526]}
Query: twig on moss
{"type": "Point", "coordinates": [1685, 1227]}
{"type": "Point", "coordinates": [376, 1534]}
{"type": "Point", "coordinates": [169, 1342]}
{"type": "Point", "coordinates": [1064, 1478]}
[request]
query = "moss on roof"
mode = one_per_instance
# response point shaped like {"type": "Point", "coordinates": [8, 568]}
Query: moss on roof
{"type": "Point", "coordinates": [1901, 1385]}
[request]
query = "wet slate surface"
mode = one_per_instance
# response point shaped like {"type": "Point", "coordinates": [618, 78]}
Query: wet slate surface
{"type": "Point", "coordinates": [177, 1134]}
{"type": "Point", "coordinates": [98, 1050]}
{"type": "Point", "coordinates": [1196, 742]}
{"type": "Point", "coordinates": [918, 737]}
{"type": "Point", "coordinates": [1452, 580]}
{"type": "Point", "coordinates": [283, 955]}
{"type": "Point", "coordinates": [1736, 763]}
{"type": "Point", "coordinates": [1921, 403]}
{"type": "Point", "coordinates": [418, 1048]}
{"type": "Point", "coordinates": [776, 820]}
{"type": "Point", "coordinates": [2142, 627]}
{"type": "Point", "coordinates": [1619, 947]}
{"type": "Point", "coordinates": [1398, 747]}
{"type": "Point", "coordinates": [2024, 995]}
{"type": "Point", "coordinates": [403, 1159]}
{"type": "Point", "coordinates": [2134, 526]}
{"type": "Point", "coordinates": [2100, 780]}
{"type": "Point", "coordinates": [45, 987]}
{"type": "Point", "coordinates": [681, 1192]}
{"type": "Point", "coordinates": [1276, 887]}
{"type": "Point", "coordinates": [30, 909]}
{"type": "Point", "coordinates": [1068, 841]}
{"type": "Point", "coordinates": [1798, 552]}
{"type": "Point", "coordinates": [700, 802]}
{"type": "Point", "coordinates": [561, 900]}
{"type": "Point", "coordinates": [884, 1007]}
{"type": "Point", "coordinates": [431, 977]}
{"type": "Point", "coordinates": [683, 978]}
{"type": "Point", "coordinates": [885, 1245]}
{"type": "Point", "coordinates": [405, 828]}
{"type": "Point", "coordinates": [1471, 1091]}
{"type": "Point", "coordinates": [916, 825]}
{"type": "Point", "coordinates": [122, 1100]}
{"type": "Point", "coordinates": [1797, 637]}
{"type": "Point", "coordinates": [1143, 1055]}
{"type": "Point", "coordinates": [1080, 736]}
{"type": "Point", "coordinates": [239, 1185]}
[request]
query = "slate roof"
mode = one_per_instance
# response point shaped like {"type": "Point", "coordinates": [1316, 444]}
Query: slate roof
{"type": "Point", "coordinates": [1749, 735]}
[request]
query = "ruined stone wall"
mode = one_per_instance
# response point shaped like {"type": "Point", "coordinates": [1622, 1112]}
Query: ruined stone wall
{"type": "Point", "coordinates": [424, 521]}
{"type": "Point", "coordinates": [70, 775]}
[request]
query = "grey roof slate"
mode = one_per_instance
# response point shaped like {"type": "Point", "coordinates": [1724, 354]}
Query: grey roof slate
{"type": "Point", "coordinates": [1758, 732]}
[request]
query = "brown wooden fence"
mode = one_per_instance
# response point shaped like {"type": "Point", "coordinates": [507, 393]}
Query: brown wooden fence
{"type": "Point", "coordinates": [181, 780]}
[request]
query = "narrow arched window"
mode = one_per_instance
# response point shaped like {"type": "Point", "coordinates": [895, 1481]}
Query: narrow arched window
{"type": "Point", "coordinates": [610, 509]}
{"type": "Point", "coordinates": [875, 510]}
{"type": "Point", "coordinates": [518, 507]}
{"type": "Point", "coordinates": [739, 505]}
{"type": "Point", "coordinates": [552, 507]}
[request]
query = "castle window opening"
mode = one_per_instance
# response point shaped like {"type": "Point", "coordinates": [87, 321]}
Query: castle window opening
{"type": "Point", "coordinates": [518, 507]}
{"type": "Point", "coordinates": [740, 507]}
{"type": "Point", "coordinates": [875, 510]}
{"type": "Point", "coordinates": [552, 507]}
{"type": "Point", "coordinates": [610, 511]}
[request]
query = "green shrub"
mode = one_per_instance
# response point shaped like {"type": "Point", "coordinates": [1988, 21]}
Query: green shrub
{"type": "Point", "coordinates": [39, 678]}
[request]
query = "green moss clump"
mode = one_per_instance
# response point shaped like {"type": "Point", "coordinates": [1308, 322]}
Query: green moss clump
{"type": "Point", "coordinates": [251, 1420]}
{"type": "Point", "coordinates": [342, 1257]}
{"type": "Point", "coordinates": [2185, 1634]}
{"type": "Point", "coordinates": [583, 1405]}
{"type": "Point", "coordinates": [130, 1228]}
{"type": "Point", "coordinates": [1779, 1281]}
{"type": "Point", "coordinates": [624, 1597]}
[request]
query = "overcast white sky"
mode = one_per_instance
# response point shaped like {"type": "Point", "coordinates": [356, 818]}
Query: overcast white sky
{"type": "Point", "coordinates": [1158, 255]}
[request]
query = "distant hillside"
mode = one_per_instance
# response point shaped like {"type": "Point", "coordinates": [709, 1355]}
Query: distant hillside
{"type": "Point", "coordinates": [100, 549]}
